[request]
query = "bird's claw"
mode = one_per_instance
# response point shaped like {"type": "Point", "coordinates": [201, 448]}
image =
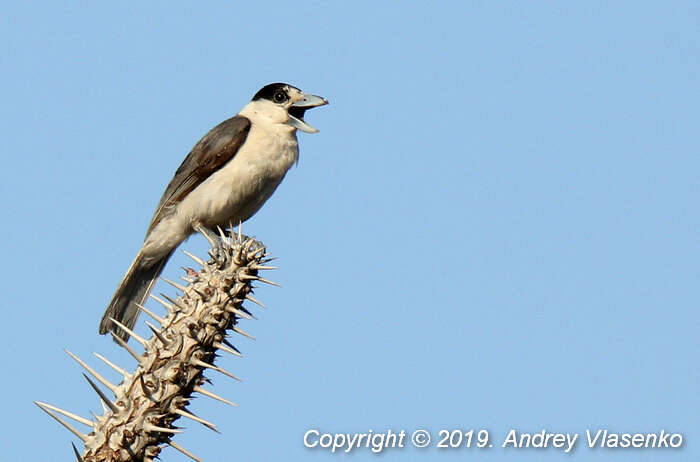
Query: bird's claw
{"type": "Point", "coordinates": [217, 252]}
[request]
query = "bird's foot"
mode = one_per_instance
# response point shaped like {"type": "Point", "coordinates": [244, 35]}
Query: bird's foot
{"type": "Point", "coordinates": [217, 251]}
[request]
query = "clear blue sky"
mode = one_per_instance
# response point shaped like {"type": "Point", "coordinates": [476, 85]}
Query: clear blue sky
{"type": "Point", "coordinates": [497, 226]}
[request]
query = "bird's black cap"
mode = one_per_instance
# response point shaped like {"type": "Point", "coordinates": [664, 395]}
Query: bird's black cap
{"type": "Point", "coordinates": [268, 91]}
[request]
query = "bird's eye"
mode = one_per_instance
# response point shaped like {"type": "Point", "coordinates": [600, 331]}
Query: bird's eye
{"type": "Point", "coordinates": [280, 96]}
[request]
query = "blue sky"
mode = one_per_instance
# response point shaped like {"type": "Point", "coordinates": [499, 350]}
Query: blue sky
{"type": "Point", "coordinates": [497, 226]}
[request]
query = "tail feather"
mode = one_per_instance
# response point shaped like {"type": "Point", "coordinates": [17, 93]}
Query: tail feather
{"type": "Point", "coordinates": [134, 288]}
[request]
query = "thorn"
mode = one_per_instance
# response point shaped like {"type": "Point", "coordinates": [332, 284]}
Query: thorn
{"type": "Point", "coordinates": [75, 417]}
{"type": "Point", "coordinates": [201, 294]}
{"type": "Point", "coordinates": [167, 305]}
{"type": "Point", "coordinates": [126, 346]}
{"type": "Point", "coordinates": [242, 332]}
{"type": "Point", "coordinates": [142, 382]}
{"type": "Point", "coordinates": [83, 438]}
{"type": "Point", "coordinates": [112, 365]}
{"type": "Point", "coordinates": [212, 395]}
{"type": "Point", "coordinates": [268, 282]}
{"type": "Point", "coordinates": [195, 258]}
{"type": "Point", "coordinates": [264, 268]}
{"type": "Point", "coordinates": [104, 398]}
{"type": "Point", "coordinates": [250, 277]}
{"type": "Point", "coordinates": [155, 331]}
{"type": "Point", "coordinates": [175, 303]}
{"type": "Point", "coordinates": [222, 234]}
{"type": "Point", "coordinates": [145, 389]}
{"type": "Point", "coordinates": [233, 310]}
{"type": "Point", "coordinates": [223, 347]}
{"type": "Point", "coordinates": [209, 425]}
{"type": "Point", "coordinates": [102, 380]}
{"type": "Point", "coordinates": [184, 451]}
{"type": "Point", "coordinates": [151, 314]}
{"type": "Point", "coordinates": [232, 346]}
{"type": "Point", "coordinates": [174, 284]}
{"type": "Point", "coordinates": [149, 427]}
{"type": "Point", "coordinates": [200, 363]}
{"type": "Point", "coordinates": [257, 302]}
{"type": "Point", "coordinates": [77, 454]}
{"type": "Point", "coordinates": [240, 231]}
{"type": "Point", "coordinates": [133, 334]}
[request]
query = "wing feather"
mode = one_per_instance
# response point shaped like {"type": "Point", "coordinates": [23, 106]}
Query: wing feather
{"type": "Point", "coordinates": [210, 153]}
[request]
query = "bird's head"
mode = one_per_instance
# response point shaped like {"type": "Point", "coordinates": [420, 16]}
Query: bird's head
{"type": "Point", "coordinates": [287, 102]}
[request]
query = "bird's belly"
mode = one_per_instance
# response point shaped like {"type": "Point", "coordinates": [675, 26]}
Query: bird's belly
{"type": "Point", "coordinates": [241, 187]}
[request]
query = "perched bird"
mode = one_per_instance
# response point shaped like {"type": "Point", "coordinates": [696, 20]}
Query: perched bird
{"type": "Point", "coordinates": [226, 178]}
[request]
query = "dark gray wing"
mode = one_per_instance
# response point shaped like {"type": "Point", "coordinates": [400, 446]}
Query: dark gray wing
{"type": "Point", "coordinates": [210, 153]}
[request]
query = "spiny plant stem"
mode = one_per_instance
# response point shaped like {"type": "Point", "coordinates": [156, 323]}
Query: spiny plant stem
{"type": "Point", "coordinates": [139, 421]}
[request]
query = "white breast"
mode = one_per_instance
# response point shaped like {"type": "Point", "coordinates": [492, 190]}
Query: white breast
{"type": "Point", "coordinates": [241, 187]}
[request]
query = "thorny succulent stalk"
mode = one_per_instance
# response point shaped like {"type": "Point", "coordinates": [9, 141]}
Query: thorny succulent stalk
{"type": "Point", "coordinates": [139, 421]}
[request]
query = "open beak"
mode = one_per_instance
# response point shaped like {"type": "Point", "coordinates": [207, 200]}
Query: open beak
{"type": "Point", "coordinates": [297, 110]}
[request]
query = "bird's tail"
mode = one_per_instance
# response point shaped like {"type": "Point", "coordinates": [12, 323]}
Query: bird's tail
{"type": "Point", "coordinates": [134, 288]}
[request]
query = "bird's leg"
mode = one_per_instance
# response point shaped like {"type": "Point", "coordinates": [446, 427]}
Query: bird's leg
{"type": "Point", "coordinates": [217, 249]}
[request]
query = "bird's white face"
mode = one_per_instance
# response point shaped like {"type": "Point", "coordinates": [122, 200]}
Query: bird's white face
{"type": "Point", "coordinates": [283, 105]}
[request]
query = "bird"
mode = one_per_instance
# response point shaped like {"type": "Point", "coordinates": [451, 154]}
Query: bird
{"type": "Point", "coordinates": [226, 178]}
